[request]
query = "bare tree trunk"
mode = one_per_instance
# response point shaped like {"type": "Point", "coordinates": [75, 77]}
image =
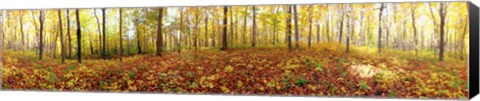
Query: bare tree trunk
{"type": "Point", "coordinates": [69, 36]}
{"type": "Point", "coordinates": [120, 33]}
{"type": "Point", "coordinates": [62, 41]}
{"type": "Point", "coordinates": [159, 33]}
{"type": "Point", "coordinates": [244, 38]}
{"type": "Point", "coordinates": [103, 35]}
{"type": "Point", "coordinates": [443, 12]}
{"type": "Point", "coordinates": [224, 37]}
{"type": "Point", "coordinates": [214, 33]}
{"type": "Point", "coordinates": [182, 35]}
{"type": "Point", "coordinates": [196, 29]}
{"type": "Point", "coordinates": [380, 29]}
{"type": "Point", "coordinates": [99, 30]}
{"type": "Point", "coordinates": [79, 37]}
{"type": "Point", "coordinates": [310, 27]}
{"type": "Point", "coordinates": [348, 30]}
{"type": "Point", "coordinates": [231, 27]}
{"type": "Point", "coordinates": [41, 19]}
{"type": "Point", "coordinates": [297, 45]}
{"type": "Point", "coordinates": [254, 27]}
{"type": "Point", "coordinates": [21, 30]}
{"type": "Point", "coordinates": [289, 27]}
{"type": "Point", "coordinates": [340, 34]}
{"type": "Point", "coordinates": [414, 29]}
{"type": "Point", "coordinates": [206, 29]}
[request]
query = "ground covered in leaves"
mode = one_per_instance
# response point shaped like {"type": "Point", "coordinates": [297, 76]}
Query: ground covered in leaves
{"type": "Point", "coordinates": [322, 70]}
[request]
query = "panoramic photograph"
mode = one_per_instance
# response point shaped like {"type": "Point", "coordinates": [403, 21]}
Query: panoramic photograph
{"type": "Point", "coordinates": [383, 50]}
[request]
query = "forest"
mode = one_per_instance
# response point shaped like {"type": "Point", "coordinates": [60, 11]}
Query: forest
{"type": "Point", "coordinates": [406, 50]}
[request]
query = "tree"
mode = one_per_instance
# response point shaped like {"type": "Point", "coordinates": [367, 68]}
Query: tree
{"type": "Point", "coordinates": [380, 29]}
{"type": "Point", "coordinates": [69, 36]}
{"type": "Point", "coordinates": [297, 45]}
{"type": "Point", "coordinates": [62, 42]}
{"type": "Point", "coordinates": [120, 33]}
{"type": "Point", "coordinates": [99, 31]}
{"type": "Point", "coordinates": [244, 38]}
{"type": "Point", "coordinates": [443, 13]}
{"type": "Point", "coordinates": [289, 27]}
{"type": "Point", "coordinates": [41, 19]}
{"type": "Point", "coordinates": [21, 29]}
{"type": "Point", "coordinates": [159, 33]}
{"type": "Point", "coordinates": [79, 37]}
{"type": "Point", "coordinates": [414, 28]}
{"type": "Point", "coordinates": [224, 36]}
{"type": "Point", "coordinates": [310, 27]}
{"type": "Point", "coordinates": [342, 15]}
{"type": "Point", "coordinates": [103, 34]}
{"type": "Point", "coordinates": [254, 27]}
{"type": "Point", "coordinates": [347, 29]}
{"type": "Point", "coordinates": [206, 28]}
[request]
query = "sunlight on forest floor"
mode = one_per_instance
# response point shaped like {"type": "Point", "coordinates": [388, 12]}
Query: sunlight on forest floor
{"type": "Point", "coordinates": [322, 70]}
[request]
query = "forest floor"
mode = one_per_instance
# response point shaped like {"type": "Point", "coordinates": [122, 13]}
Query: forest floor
{"type": "Point", "coordinates": [322, 70]}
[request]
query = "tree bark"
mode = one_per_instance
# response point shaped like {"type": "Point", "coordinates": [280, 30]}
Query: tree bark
{"type": "Point", "coordinates": [297, 45]}
{"type": "Point", "coordinates": [348, 30]}
{"type": "Point", "coordinates": [62, 41]}
{"type": "Point", "coordinates": [310, 27]}
{"type": "Point", "coordinates": [245, 26]}
{"type": "Point", "coordinates": [206, 29]}
{"type": "Point", "coordinates": [103, 34]}
{"type": "Point", "coordinates": [254, 27]}
{"type": "Point", "coordinates": [414, 29]}
{"type": "Point", "coordinates": [79, 37]}
{"type": "Point", "coordinates": [443, 12]}
{"type": "Point", "coordinates": [224, 36]}
{"type": "Point", "coordinates": [120, 33]}
{"type": "Point", "coordinates": [69, 36]}
{"type": "Point", "coordinates": [380, 29]}
{"type": "Point", "coordinates": [289, 27]}
{"type": "Point", "coordinates": [159, 32]}
{"type": "Point", "coordinates": [99, 31]}
{"type": "Point", "coordinates": [21, 30]}
{"type": "Point", "coordinates": [41, 19]}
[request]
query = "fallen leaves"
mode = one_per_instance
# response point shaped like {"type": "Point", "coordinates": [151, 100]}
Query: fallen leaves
{"type": "Point", "coordinates": [319, 71]}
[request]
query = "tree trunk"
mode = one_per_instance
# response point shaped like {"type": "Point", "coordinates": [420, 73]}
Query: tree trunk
{"type": "Point", "coordinates": [310, 27]}
{"type": "Point", "coordinates": [340, 34]}
{"type": "Point", "coordinates": [297, 45]}
{"type": "Point", "coordinates": [62, 41]}
{"type": "Point", "coordinates": [99, 31]}
{"type": "Point", "coordinates": [232, 32]}
{"type": "Point", "coordinates": [380, 29]}
{"type": "Point", "coordinates": [137, 30]}
{"type": "Point", "coordinates": [159, 32]}
{"type": "Point", "coordinates": [120, 33]}
{"type": "Point", "coordinates": [103, 35]}
{"type": "Point", "coordinates": [224, 36]}
{"type": "Point", "coordinates": [462, 40]}
{"type": "Point", "coordinates": [289, 27]}
{"type": "Point", "coordinates": [206, 30]}
{"type": "Point", "coordinates": [414, 29]}
{"type": "Point", "coordinates": [182, 35]}
{"type": "Point", "coordinates": [79, 37]}
{"type": "Point", "coordinates": [348, 30]}
{"type": "Point", "coordinates": [245, 26]}
{"type": "Point", "coordinates": [21, 30]}
{"type": "Point", "coordinates": [443, 12]}
{"type": "Point", "coordinates": [41, 19]}
{"type": "Point", "coordinates": [69, 36]}
{"type": "Point", "coordinates": [254, 27]}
